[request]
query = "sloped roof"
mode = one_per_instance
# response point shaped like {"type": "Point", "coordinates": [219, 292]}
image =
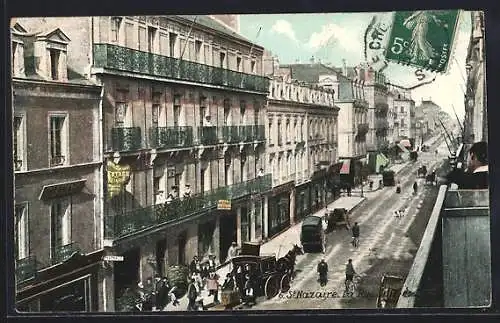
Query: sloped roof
{"type": "Point", "coordinates": [18, 29]}
{"type": "Point", "coordinates": [310, 72]}
{"type": "Point", "coordinates": [54, 31]}
{"type": "Point", "coordinates": [212, 23]}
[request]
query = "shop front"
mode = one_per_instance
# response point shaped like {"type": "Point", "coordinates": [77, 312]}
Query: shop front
{"type": "Point", "coordinates": [228, 228]}
{"type": "Point", "coordinates": [71, 286]}
{"type": "Point", "coordinates": [318, 190]}
{"type": "Point", "coordinates": [302, 201]}
{"type": "Point", "coordinates": [279, 209]}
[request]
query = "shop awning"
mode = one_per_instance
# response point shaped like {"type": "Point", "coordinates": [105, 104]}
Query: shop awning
{"type": "Point", "coordinates": [62, 189]}
{"type": "Point", "coordinates": [382, 161]}
{"type": "Point", "coordinates": [346, 167]}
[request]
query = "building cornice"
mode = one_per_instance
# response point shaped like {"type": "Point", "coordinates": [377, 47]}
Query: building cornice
{"type": "Point", "coordinates": [27, 81]}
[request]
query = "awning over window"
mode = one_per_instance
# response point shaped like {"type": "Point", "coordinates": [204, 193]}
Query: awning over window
{"type": "Point", "coordinates": [346, 167]}
{"type": "Point", "coordinates": [62, 189]}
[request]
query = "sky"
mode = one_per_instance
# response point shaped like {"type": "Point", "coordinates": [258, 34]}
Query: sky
{"type": "Point", "coordinates": [332, 37]}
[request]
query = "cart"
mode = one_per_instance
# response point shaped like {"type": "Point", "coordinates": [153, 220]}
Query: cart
{"type": "Point", "coordinates": [338, 217]}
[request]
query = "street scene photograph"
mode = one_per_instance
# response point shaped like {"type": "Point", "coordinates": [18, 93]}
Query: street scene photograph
{"type": "Point", "coordinates": [250, 162]}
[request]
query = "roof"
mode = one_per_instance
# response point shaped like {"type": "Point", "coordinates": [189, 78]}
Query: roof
{"type": "Point", "coordinates": [212, 23]}
{"type": "Point", "coordinates": [311, 220]}
{"type": "Point", "coordinates": [310, 72]}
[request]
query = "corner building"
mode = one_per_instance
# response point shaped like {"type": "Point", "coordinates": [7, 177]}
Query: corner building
{"type": "Point", "coordinates": [184, 104]}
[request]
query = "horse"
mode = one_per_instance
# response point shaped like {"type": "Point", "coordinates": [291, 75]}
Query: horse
{"type": "Point", "coordinates": [431, 178]}
{"type": "Point", "coordinates": [286, 263]}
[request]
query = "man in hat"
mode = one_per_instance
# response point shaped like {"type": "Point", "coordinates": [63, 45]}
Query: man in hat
{"type": "Point", "coordinates": [212, 262]}
{"type": "Point", "coordinates": [192, 294]}
{"type": "Point", "coordinates": [229, 283]}
{"type": "Point", "coordinates": [187, 191]}
{"type": "Point", "coordinates": [174, 192]}
{"type": "Point", "coordinates": [476, 174]}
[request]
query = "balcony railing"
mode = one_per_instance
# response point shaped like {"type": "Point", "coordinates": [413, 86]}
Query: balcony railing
{"type": "Point", "coordinates": [130, 222]}
{"type": "Point", "coordinates": [208, 135]}
{"type": "Point", "coordinates": [25, 269]}
{"type": "Point", "coordinates": [242, 133]}
{"type": "Point", "coordinates": [61, 253]}
{"type": "Point", "coordinates": [130, 60]}
{"type": "Point", "coordinates": [171, 137]}
{"type": "Point", "coordinates": [126, 138]}
{"type": "Point", "coordinates": [230, 134]}
{"type": "Point", "coordinates": [362, 129]}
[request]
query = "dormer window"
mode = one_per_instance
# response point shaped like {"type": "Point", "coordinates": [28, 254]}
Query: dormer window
{"type": "Point", "coordinates": [51, 53]}
{"type": "Point", "coordinates": [116, 23]}
{"type": "Point", "coordinates": [17, 54]}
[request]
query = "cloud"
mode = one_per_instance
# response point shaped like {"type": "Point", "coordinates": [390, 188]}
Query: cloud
{"type": "Point", "coordinates": [284, 27]}
{"type": "Point", "coordinates": [345, 38]}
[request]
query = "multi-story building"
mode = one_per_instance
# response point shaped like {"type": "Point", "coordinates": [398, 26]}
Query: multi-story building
{"type": "Point", "coordinates": [392, 135]}
{"type": "Point", "coordinates": [376, 94]}
{"type": "Point", "coordinates": [404, 108]}
{"type": "Point", "coordinates": [430, 111]}
{"type": "Point", "coordinates": [302, 137]}
{"type": "Point", "coordinates": [58, 175]}
{"type": "Point", "coordinates": [476, 119]}
{"type": "Point", "coordinates": [183, 139]}
{"type": "Point", "coordinates": [353, 128]}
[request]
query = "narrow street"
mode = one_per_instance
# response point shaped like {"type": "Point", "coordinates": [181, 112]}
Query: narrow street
{"type": "Point", "coordinates": [387, 244]}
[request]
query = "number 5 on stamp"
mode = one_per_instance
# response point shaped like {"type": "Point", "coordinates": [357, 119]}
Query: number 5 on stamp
{"type": "Point", "coordinates": [423, 39]}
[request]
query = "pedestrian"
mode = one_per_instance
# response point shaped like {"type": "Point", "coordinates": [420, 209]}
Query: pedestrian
{"type": "Point", "coordinates": [213, 286]}
{"type": "Point", "coordinates": [231, 253]}
{"type": "Point", "coordinates": [162, 294]}
{"type": "Point", "coordinates": [324, 225]}
{"type": "Point", "coordinates": [249, 295]}
{"type": "Point", "coordinates": [398, 188]}
{"type": "Point", "coordinates": [415, 188]}
{"type": "Point", "coordinates": [187, 191]}
{"type": "Point", "coordinates": [212, 262]}
{"type": "Point", "coordinates": [195, 265]}
{"type": "Point", "coordinates": [349, 273]}
{"type": "Point", "coordinates": [355, 234]}
{"type": "Point", "coordinates": [192, 294]}
{"type": "Point", "coordinates": [229, 283]}
{"type": "Point", "coordinates": [323, 272]}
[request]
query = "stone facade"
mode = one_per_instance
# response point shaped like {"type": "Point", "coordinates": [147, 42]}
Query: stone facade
{"type": "Point", "coordinates": [58, 171]}
{"type": "Point", "coordinates": [404, 109]}
{"type": "Point", "coordinates": [301, 137]}
{"type": "Point", "coordinates": [476, 119]}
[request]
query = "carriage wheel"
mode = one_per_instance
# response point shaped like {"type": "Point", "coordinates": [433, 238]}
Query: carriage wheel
{"type": "Point", "coordinates": [282, 265]}
{"type": "Point", "coordinates": [271, 288]}
{"type": "Point", "coordinates": [285, 283]}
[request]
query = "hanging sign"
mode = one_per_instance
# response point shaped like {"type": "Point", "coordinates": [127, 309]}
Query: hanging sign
{"type": "Point", "coordinates": [118, 175]}
{"type": "Point", "coordinates": [223, 205]}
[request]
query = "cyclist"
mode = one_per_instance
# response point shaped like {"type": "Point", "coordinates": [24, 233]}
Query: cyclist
{"type": "Point", "coordinates": [355, 235]}
{"type": "Point", "coordinates": [322, 271]}
{"type": "Point", "coordinates": [349, 274]}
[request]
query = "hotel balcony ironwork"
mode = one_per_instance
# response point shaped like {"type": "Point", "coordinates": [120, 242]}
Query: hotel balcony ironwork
{"type": "Point", "coordinates": [126, 138]}
{"type": "Point", "coordinates": [125, 59]}
{"type": "Point", "coordinates": [61, 253]}
{"type": "Point", "coordinates": [171, 137]}
{"type": "Point", "coordinates": [208, 135]}
{"type": "Point", "coordinates": [360, 104]}
{"type": "Point", "coordinates": [381, 109]}
{"type": "Point", "coordinates": [243, 133]}
{"type": "Point", "coordinates": [25, 269]}
{"type": "Point", "coordinates": [120, 225]}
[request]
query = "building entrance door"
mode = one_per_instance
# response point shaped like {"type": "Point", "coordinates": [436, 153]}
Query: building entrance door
{"type": "Point", "coordinates": [228, 233]}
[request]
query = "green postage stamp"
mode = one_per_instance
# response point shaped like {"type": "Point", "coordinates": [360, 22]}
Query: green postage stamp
{"type": "Point", "coordinates": [422, 39]}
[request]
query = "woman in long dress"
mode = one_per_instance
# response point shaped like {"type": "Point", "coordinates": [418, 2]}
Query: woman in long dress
{"type": "Point", "coordinates": [420, 48]}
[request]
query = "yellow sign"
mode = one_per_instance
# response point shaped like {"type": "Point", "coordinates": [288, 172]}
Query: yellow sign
{"type": "Point", "coordinates": [117, 176]}
{"type": "Point", "coordinates": [223, 205]}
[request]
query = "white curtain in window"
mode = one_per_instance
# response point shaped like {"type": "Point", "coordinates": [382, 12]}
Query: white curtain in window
{"type": "Point", "coordinates": [22, 233]}
{"type": "Point", "coordinates": [66, 224]}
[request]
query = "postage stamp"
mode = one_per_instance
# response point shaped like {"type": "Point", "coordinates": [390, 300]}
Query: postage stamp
{"type": "Point", "coordinates": [422, 39]}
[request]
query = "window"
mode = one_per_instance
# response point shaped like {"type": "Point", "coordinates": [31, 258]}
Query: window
{"type": "Point", "coordinates": [279, 133]}
{"type": "Point", "coordinates": [243, 161]}
{"type": "Point", "coordinates": [256, 113]}
{"type": "Point", "coordinates": [115, 29]}
{"type": "Point", "coordinates": [238, 64]}
{"type": "Point", "coordinates": [203, 113]}
{"type": "Point", "coordinates": [269, 134]}
{"type": "Point", "coordinates": [402, 110]}
{"type": "Point", "coordinates": [60, 220]}
{"type": "Point", "coordinates": [287, 132]}
{"type": "Point", "coordinates": [252, 67]}
{"type": "Point", "coordinates": [57, 140]}
{"type": "Point", "coordinates": [14, 58]}
{"type": "Point", "coordinates": [157, 110]}
{"type": "Point", "coordinates": [402, 122]}
{"type": "Point", "coordinates": [243, 107]}
{"type": "Point", "coordinates": [152, 39]}
{"type": "Point", "coordinates": [172, 43]}
{"type": "Point", "coordinates": [222, 60]}
{"type": "Point", "coordinates": [227, 168]}
{"type": "Point", "coordinates": [197, 49]}
{"type": "Point", "coordinates": [54, 63]}
{"type": "Point", "coordinates": [18, 143]}
{"type": "Point", "coordinates": [177, 109]}
{"type": "Point", "coordinates": [22, 232]}
{"type": "Point", "coordinates": [227, 110]}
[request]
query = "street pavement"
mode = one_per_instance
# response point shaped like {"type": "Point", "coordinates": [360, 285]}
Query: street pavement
{"type": "Point", "coordinates": [373, 211]}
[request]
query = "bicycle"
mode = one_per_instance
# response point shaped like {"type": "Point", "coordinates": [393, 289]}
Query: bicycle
{"type": "Point", "coordinates": [351, 287]}
{"type": "Point", "coordinates": [355, 242]}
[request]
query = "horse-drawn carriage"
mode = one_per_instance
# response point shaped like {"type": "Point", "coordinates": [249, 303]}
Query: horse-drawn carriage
{"type": "Point", "coordinates": [268, 275]}
{"type": "Point", "coordinates": [337, 217]}
{"type": "Point", "coordinates": [430, 178]}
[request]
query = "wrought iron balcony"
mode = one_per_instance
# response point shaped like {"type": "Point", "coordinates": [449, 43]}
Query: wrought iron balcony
{"type": "Point", "coordinates": [254, 186]}
{"type": "Point", "coordinates": [207, 135]}
{"type": "Point", "coordinates": [126, 138]}
{"type": "Point", "coordinates": [130, 222]}
{"type": "Point", "coordinates": [25, 269]}
{"type": "Point", "coordinates": [120, 58]}
{"type": "Point", "coordinates": [61, 253]}
{"type": "Point", "coordinates": [259, 132]}
{"type": "Point", "coordinates": [230, 134]}
{"type": "Point", "coordinates": [246, 133]}
{"type": "Point", "coordinates": [360, 104]}
{"type": "Point", "coordinates": [171, 137]}
{"type": "Point", "coordinates": [57, 160]}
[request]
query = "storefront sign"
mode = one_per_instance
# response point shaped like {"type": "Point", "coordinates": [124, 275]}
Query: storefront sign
{"type": "Point", "coordinates": [61, 189]}
{"type": "Point", "coordinates": [113, 258]}
{"type": "Point", "coordinates": [117, 177]}
{"type": "Point", "coordinates": [223, 205]}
